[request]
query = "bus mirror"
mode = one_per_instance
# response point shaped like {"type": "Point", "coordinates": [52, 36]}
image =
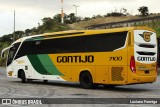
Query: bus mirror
{"type": "Point", "coordinates": [4, 50]}
{"type": "Point", "coordinates": [2, 54]}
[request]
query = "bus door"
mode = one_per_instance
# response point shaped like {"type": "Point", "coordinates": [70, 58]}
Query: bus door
{"type": "Point", "coordinates": [10, 59]}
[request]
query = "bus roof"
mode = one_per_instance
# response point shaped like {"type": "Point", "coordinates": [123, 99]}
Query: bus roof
{"type": "Point", "coordinates": [100, 30]}
{"type": "Point", "coordinates": [80, 32]}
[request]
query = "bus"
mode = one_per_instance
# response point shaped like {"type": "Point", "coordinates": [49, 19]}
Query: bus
{"type": "Point", "coordinates": [118, 56]}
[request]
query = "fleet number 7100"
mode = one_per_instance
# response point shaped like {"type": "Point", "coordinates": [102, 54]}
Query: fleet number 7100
{"type": "Point", "coordinates": [116, 58]}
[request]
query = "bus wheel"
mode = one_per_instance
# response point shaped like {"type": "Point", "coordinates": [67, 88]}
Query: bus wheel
{"type": "Point", "coordinates": [45, 81]}
{"type": "Point", "coordinates": [23, 77]}
{"type": "Point", "coordinates": [86, 80]}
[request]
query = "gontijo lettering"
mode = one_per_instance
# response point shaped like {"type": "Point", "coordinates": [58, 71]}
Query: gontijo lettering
{"type": "Point", "coordinates": [146, 58]}
{"type": "Point", "coordinates": [75, 59]}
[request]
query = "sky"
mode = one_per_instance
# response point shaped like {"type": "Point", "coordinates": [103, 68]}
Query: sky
{"type": "Point", "coordinates": [30, 12]}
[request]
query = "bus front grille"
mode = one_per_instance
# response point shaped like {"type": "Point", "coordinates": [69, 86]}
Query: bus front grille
{"type": "Point", "coordinates": [117, 73]}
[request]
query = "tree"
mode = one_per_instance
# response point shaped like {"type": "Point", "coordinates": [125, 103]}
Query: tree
{"type": "Point", "coordinates": [86, 18]}
{"type": "Point", "coordinates": [48, 24]}
{"type": "Point", "coordinates": [28, 32]}
{"type": "Point", "coordinates": [71, 17]}
{"type": "Point", "coordinates": [116, 13]}
{"type": "Point", "coordinates": [123, 11]}
{"type": "Point", "coordinates": [93, 17]}
{"type": "Point", "coordinates": [79, 19]}
{"type": "Point", "coordinates": [143, 11]}
{"type": "Point", "coordinates": [7, 38]}
{"type": "Point", "coordinates": [46, 19]}
{"type": "Point", "coordinates": [18, 34]}
{"type": "Point", "coordinates": [34, 31]}
{"type": "Point", "coordinates": [57, 18]}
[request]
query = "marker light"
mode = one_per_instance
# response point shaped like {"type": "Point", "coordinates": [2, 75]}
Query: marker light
{"type": "Point", "coordinates": [132, 64]}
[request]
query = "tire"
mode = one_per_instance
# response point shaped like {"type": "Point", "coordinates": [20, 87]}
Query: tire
{"type": "Point", "coordinates": [23, 77]}
{"type": "Point", "coordinates": [45, 81]}
{"type": "Point", "coordinates": [86, 80]}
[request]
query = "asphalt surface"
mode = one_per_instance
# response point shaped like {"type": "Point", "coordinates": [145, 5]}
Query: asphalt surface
{"type": "Point", "coordinates": [13, 88]}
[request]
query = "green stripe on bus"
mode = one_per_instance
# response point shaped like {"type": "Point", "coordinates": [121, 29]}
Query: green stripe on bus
{"type": "Point", "coordinates": [34, 39]}
{"type": "Point", "coordinates": [43, 64]}
{"type": "Point", "coordinates": [48, 64]}
{"type": "Point", "coordinates": [37, 65]}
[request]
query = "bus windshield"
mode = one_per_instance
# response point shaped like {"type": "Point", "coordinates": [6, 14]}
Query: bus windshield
{"type": "Point", "coordinates": [12, 52]}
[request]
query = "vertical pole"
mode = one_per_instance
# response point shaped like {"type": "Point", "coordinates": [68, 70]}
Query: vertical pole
{"type": "Point", "coordinates": [14, 28]}
{"type": "Point", "coordinates": [75, 12]}
{"type": "Point", "coordinates": [62, 13]}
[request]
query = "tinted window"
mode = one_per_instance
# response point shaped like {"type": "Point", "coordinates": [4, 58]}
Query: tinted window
{"type": "Point", "coordinates": [12, 52]}
{"type": "Point", "coordinates": [91, 43]}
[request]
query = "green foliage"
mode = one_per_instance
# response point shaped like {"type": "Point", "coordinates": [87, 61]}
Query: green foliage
{"type": "Point", "coordinates": [2, 46]}
{"type": "Point", "coordinates": [154, 25]}
{"type": "Point", "coordinates": [86, 18]}
{"type": "Point", "coordinates": [143, 11]}
{"type": "Point", "coordinates": [157, 31]}
{"type": "Point", "coordinates": [68, 19]}
{"type": "Point", "coordinates": [19, 34]}
{"type": "Point", "coordinates": [6, 38]}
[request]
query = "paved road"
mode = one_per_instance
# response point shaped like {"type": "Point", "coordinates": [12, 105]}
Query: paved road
{"type": "Point", "coordinates": [13, 88]}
